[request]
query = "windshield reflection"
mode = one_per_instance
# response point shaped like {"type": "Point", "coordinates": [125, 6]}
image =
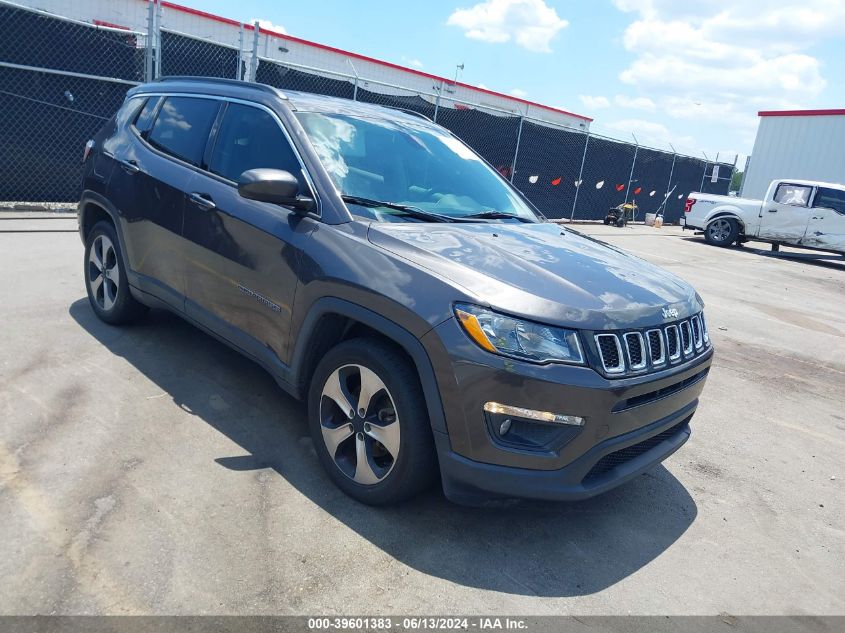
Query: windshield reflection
{"type": "Point", "coordinates": [410, 163]}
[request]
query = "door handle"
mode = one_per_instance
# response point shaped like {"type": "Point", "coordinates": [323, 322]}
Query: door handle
{"type": "Point", "coordinates": [129, 165]}
{"type": "Point", "coordinates": [773, 210]}
{"type": "Point", "coordinates": [202, 201]}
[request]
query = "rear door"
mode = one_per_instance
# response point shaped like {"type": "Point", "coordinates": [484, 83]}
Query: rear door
{"type": "Point", "coordinates": [156, 158]}
{"type": "Point", "coordinates": [242, 256]}
{"type": "Point", "coordinates": [826, 228]}
{"type": "Point", "coordinates": [785, 218]}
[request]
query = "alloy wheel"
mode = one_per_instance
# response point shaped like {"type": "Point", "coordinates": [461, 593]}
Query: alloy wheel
{"type": "Point", "coordinates": [359, 424]}
{"type": "Point", "coordinates": [103, 272]}
{"type": "Point", "coordinates": [720, 230]}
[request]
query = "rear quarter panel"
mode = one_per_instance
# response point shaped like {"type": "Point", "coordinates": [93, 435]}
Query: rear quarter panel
{"type": "Point", "coordinates": [707, 208]}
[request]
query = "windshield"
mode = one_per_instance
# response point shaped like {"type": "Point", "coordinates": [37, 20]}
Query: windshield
{"type": "Point", "coordinates": [410, 164]}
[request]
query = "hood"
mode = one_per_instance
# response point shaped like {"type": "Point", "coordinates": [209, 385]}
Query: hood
{"type": "Point", "coordinates": [542, 272]}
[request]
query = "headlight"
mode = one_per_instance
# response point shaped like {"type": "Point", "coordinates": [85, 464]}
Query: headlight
{"type": "Point", "coordinates": [525, 340]}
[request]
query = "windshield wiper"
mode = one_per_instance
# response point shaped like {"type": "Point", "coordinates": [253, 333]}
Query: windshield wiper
{"type": "Point", "coordinates": [414, 212]}
{"type": "Point", "coordinates": [497, 215]}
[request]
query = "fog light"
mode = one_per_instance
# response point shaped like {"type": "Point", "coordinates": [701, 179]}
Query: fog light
{"type": "Point", "coordinates": [531, 414]}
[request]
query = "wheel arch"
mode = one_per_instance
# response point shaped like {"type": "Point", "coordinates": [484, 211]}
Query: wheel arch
{"type": "Point", "coordinates": [92, 208]}
{"type": "Point", "coordinates": [726, 212]}
{"type": "Point", "coordinates": [332, 320]}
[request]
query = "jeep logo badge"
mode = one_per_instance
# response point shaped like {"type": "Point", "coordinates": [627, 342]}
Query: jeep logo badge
{"type": "Point", "coordinates": [670, 313]}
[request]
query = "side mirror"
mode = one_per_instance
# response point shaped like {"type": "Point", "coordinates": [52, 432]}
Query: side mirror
{"type": "Point", "coordinates": [274, 185]}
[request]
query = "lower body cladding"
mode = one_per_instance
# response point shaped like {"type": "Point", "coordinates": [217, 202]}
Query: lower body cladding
{"type": "Point", "coordinates": [555, 432]}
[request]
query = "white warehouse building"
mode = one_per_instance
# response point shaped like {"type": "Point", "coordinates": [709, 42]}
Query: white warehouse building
{"type": "Point", "coordinates": [800, 144]}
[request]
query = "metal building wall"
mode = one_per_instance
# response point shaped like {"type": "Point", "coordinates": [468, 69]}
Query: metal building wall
{"type": "Point", "coordinates": [790, 146]}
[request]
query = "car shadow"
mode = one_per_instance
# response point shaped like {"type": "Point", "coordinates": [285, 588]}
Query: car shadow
{"type": "Point", "coordinates": [527, 548]}
{"type": "Point", "coordinates": [814, 258]}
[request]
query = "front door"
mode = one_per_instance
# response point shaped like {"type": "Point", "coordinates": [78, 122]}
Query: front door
{"type": "Point", "coordinates": [242, 256]}
{"type": "Point", "coordinates": [785, 218]}
{"type": "Point", "coordinates": [826, 228]}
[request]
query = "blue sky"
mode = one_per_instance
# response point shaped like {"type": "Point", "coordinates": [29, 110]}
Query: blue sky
{"type": "Point", "coordinates": [693, 74]}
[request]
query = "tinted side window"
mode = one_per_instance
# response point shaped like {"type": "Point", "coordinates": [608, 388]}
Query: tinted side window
{"type": "Point", "coordinates": [128, 111]}
{"type": "Point", "coordinates": [144, 120]}
{"type": "Point", "coordinates": [830, 199]}
{"type": "Point", "coordinates": [182, 127]}
{"type": "Point", "coordinates": [796, 195]}
{"type": "Point", "coordinates": [250, 138]}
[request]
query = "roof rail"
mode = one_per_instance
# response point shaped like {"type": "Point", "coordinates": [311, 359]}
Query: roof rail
{"type": "Point", "coordinates": [228, 82]}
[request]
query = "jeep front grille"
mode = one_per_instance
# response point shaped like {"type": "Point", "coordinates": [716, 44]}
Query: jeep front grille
{"type": "Point", "coordinates": [635, 350]}
{"type": "Point", "coordinates": [610, 352]}
{"type": "Point", "coordinates": [656, 347]}
{"type": "Point", "coordinates": [674, 340]}
{"type": "Point", "coordinates": [640, 351]}
{"type": "Point", "coordinates": [686, 337]}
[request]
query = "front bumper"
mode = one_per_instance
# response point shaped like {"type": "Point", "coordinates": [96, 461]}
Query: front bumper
{"type": "Point", "coordinates": [631, 424]}
{"type": "Point", "coordinates": [605, 466]}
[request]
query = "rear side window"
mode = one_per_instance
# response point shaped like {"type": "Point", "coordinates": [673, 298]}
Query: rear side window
{"type": "Point", "coordinates": [250, 138]}
{"type": "Point", "coordinates": [796, 195]}
{"type": "Point", "coordinates": [830, 199]}
{"type": "Point", "coordinates": [182, 126]}
{"type": "Point", "coordinates": [144, 120]}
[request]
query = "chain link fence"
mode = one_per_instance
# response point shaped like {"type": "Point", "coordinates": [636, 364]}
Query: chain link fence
{"type": "Point", "coordinates": [55, 97]}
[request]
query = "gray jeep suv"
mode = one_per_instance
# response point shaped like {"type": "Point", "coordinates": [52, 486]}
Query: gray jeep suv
{"type": "Point", "coordinates": [376, 266]}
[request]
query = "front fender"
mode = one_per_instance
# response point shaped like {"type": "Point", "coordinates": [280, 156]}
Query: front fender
{"type": "Point", "coordinates": [401, 336]}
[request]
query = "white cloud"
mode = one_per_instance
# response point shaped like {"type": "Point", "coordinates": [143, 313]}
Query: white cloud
{"type": "Point", "coordinates": [519, 93]}
{"type": "Point", "coordinates": [647, 133]}
{"type": "Point", "coordinates": [594, 103]}
{"type": "Point", "coordinates": [413, 62]}
{"type": "Point", "coordinates": [635, 103]}
{"type": "Point", "coordinates": [721, 61]}
{"type": "Point", "coordinates": [267, 25]}
{"type": "Point", "coordinates": [532, 24]}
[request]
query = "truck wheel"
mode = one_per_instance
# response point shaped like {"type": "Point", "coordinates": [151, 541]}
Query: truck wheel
{"type": "Point", "coordinates": [721, 232]}
{"type": "Point", "coordinates": [620, 222]}
{"type": "Point", "coordinates": [369, 423]}
{"type": "Point", "coordinates": [105, 278]}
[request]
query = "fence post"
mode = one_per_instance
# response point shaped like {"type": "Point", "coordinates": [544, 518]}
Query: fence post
{"type": "Point", "coordinates": [355, 83]}
{"type": "Point", "coordinates": [148, 53]}
{"type": "Point", "coordinates": [437, 101]}
{"type": "Point", "coordinates": [706, 161]}
{"type": "Point", "coordinates": [580, 175]}
{"type": "Point", "coordinates": [671, 173]}
{"type": "Point", "coordinates": [240, 53]}
{"type": "Point", "coordinates": [158, 39]}
{"type": "Point", "coordinates": [518, 139]}
{"type": "Point", "coordinates": [253, 64]}
{"type": "Point", "coordinates": [631, 175]}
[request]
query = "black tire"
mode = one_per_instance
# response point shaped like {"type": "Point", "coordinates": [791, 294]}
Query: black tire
{"type": "Point", "coordinates": [414, 468]}
{"type": "Point", "coordinates": [606, 221]}
{"type": "Point", "coordinates": [110, 298]}
{"type": "Point", "coordinates": [721, 232]}
{"type": "Point", "coordinates": [620, 222]}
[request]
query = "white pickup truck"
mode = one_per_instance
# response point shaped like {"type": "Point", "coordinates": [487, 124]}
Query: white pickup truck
{"type": "Point", "coordinates": [795, 212]}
